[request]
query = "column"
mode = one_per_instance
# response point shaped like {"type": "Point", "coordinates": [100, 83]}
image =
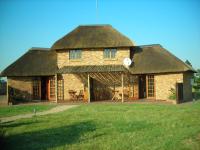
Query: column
{"type": "Point", "coordinates": [122, 87]}
{"type": "Point", "coordinates": [88, 88]}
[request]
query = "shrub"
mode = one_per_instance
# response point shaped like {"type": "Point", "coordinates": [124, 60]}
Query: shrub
{"type": "Point", "coordinates": [172, 95]}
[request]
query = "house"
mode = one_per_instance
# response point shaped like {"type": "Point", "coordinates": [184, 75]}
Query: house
{"type": "Point", "coordinates": [87, 65]}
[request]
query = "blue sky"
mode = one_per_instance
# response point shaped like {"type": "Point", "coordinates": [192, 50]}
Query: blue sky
{"type": "Point", "coordinates": [175, 24]}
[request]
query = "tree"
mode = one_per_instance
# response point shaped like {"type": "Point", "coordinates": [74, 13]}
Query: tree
{"type": "Point", "coordinates": [196, 85]}
{"type": "Point", "coordinates": [188, 62]}
{"type": "Point", "coordinates": [2, 86]}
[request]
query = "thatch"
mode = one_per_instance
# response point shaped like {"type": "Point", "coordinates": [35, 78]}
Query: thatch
{"type": "Point", "coordinates": [92, 69]}
{"type": "Point", "coordinates": [97, 36]}
{"type": "Point", "coordinates": [35, 62]}
{"type": "Point", "coordinates": [156, 59]}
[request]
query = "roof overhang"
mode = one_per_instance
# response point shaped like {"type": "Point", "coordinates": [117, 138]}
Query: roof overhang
{"type": "Point", "coordinates": [92, 69]}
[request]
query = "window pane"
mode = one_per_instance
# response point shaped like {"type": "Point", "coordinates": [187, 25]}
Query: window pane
{"type": "Point", "coordinates": [60, 90]}
{"type": "Point", "coordinates": [52, 87]}
{"type": "Point", "coordinates": [75, 54]}
{"type": "Point", "coordinates": [71, 53]}
{"type": "Point", "coordinates": [36, 88]}
{"type": "Point", "coordinates": [106, 53]}
{"type": "Point", "coordinates": [150, 86]}
{"type": "Point", "coordinates": [113, 53]}
{"type": "Point", "coordinates": [78, 54]}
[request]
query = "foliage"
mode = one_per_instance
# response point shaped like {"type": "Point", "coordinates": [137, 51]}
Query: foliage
{"type": "Point", "coordinates": [172, 95]}
{"type": "Point", "coordinates": [196, 85]}
{"type": "Point", "coordinates": [110, 126]}
{"type": "Point", "coordinates": [2, 86]}
{"type": "Point", "coordinates": [188, 62]}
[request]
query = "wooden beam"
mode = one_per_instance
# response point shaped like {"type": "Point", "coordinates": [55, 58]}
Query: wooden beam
{"type": "Point", "coordinates": [122, 76]}
{"type": "Point", "coordinates": [56, 88]}
{"type": "Point", "coordinates": [88, 88]}
{"type": "Point", "coordinates": [111, 80]}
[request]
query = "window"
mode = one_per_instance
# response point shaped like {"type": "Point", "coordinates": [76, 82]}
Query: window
{"type": "Point", "coordinates": [52, 87]}
{"type": "Point", "coordinates": [132, 86]}
{"type": "Point", "coordinates": [75, 54]}
{"type": "Point", "coordinates": [36, 89]}
{"type": "Point", "coordinates": [109, 53]}
{"type": "Point", "coordinates": [150, 85]}
{"type": "Point", "coordinates": [60, 88]}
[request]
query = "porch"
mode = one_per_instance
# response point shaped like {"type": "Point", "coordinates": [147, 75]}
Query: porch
{"type": "Point", "coordinates": [103, 83]}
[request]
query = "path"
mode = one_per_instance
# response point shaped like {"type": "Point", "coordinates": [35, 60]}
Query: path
{"type": "Point", "coordinates": [51, 111]}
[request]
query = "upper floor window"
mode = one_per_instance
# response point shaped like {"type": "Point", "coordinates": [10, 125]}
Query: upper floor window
{"type": "Point", "coordinates": [109, 53]}
{"type": "Point", "coordinates": [75, 54]}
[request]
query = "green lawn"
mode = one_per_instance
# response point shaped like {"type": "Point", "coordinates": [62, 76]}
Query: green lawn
{"type": "Point", "coordinates": [110, 126]}
{"type": "Point", "coordinates": [6, 111]}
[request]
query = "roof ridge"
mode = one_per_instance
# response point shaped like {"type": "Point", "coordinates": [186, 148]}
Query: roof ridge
{"type": "Point", "coordinates": [94, 25]}
{"type": "Point", "coordinates": [38, 48]}
{"type": "Point", "coordinates": [150, 45]}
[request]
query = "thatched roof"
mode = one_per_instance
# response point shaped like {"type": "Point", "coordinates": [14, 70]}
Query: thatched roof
{"type": "Point", "coordinates": [92, 68]}
{"type": "Point", "coordinates": [35, 62]}
{"type": "Point", "coordinates": [93, 36]}
{"type": "Point", "coordinates": [156, 59]}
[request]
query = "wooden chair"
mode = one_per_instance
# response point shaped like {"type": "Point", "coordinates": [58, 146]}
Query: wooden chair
{"type": "Point", "coordinates": [72, 94]}
{"type": "Point", "coordinates": [126, 94]}
{"type": "Point", "coordinates": [80, 96]}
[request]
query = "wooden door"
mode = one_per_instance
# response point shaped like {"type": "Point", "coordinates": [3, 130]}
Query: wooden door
{"type": "Point", "coordinates": [133, 87]}
{"type": "Point", "coordinates": [51, 88]}
{"type": "Point", "coordinates": [179, 92]}
{"type": "Point", "coordinates": [150, 83]}
{"type": "Point", "coordinates": [60, 88]}
{"type": "Point", "coordinates": [142, 86]}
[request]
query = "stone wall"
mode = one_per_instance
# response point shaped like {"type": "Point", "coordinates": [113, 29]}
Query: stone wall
{"type": "Point", "coordinates": [20, 87]}
{"type": "Point", "coordinates": [89, 57]}
{"type": "Point", "coordinates": [73, 82]}
{"type": "Point", "coordinates": [102, 91]}
{"type": "Point", "coordinates": [92, 57]}
{"type": "Point", "coordinates": [164, 83]}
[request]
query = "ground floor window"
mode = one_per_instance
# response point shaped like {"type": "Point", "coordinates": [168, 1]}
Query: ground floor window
{"type": "Point", "coordinates": [52, 87]}
{"type": "Point", "coordinates": [151, 86]}
{"type": "Point", "coordinates": [36, 88]}
{"type": "Point", "coordinates": [132, 80]}
{"type": "Point", "coordinates": [60, 89]}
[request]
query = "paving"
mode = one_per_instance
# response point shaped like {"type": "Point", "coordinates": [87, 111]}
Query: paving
{"type": "Point", "coordinates": [56, 109]}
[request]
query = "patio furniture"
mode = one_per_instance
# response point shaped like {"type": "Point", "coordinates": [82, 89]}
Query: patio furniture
{"type": "Point", "coordinates": [80, 96]}
{"type": "Point", "coordinates": [72, 94]}
{"type": "Point", "coordinates": [115, 92]}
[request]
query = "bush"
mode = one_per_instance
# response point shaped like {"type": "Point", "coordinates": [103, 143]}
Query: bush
{"type": "Point", "coordinates": [197, 95]}
{"type": "Point", "coordinates": [172, 96]}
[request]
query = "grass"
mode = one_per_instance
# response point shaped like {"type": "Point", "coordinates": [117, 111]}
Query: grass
{"type": "Point", "coordinates": [6, 111]}
{"type": "Point", "coordinates": [110, 126]}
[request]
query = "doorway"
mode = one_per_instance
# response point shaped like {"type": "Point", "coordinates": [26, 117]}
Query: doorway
{"type": "Point", "coordinates": [142, 86]}
{"type": "Point", "coordinates": [92, 89]}
{"type": "Point", "coordinates": [99, 91]}
{"type": "Point", "coordinates": [179, 92]}
{"type": "Point", "coordinates": [44, 88]}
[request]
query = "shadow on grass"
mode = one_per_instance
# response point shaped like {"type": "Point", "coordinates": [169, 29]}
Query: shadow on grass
{"type": "Point", "coordinates": [50, 138]}
{"type": "Point", "coordinates": [12, 124]}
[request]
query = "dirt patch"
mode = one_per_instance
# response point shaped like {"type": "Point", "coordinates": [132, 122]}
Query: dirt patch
{"type": "Point", "coordinates": [51, 111]}
{"type": "Point", "coordinates": [3, 100]}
